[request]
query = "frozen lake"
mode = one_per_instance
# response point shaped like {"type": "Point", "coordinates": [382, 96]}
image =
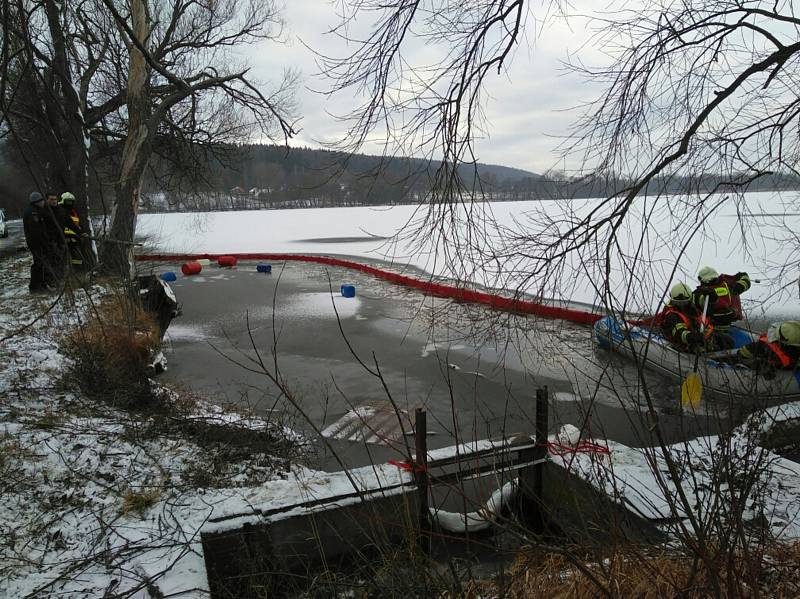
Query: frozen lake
{"type": "Point", "coordinates": [657, 244]}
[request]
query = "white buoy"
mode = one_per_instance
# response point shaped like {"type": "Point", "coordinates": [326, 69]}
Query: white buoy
{"type": "Point", "coordinates": [569, 435]}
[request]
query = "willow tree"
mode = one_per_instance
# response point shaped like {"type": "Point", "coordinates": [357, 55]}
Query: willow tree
{"type": "Point", "coordinates": [184, 81]}
{"type": "Point", "coordinates": [110, 83]}
{"type": "Point", "coordinates": [50, 55]}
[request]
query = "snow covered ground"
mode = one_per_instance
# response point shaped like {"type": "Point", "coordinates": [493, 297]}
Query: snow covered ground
{"type": "Point", "coordinates": [97, 501]}
{"type": "Point", "coordinates": [709, 469]}
{"type": "Point", "coordinates": [765, 245]}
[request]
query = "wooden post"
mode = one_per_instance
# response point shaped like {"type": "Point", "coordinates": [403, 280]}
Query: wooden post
{"type": "Point", "coordinates": [540, 453]}
{"type": "Point", "coordinates": [421, 474]}
{"type": "Point", "coordinates": [531, 478]}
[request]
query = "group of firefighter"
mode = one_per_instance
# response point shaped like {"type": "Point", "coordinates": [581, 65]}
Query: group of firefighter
{"type": "Point", "coordinates": [54, 236]}
{"type": "Point", "coordinates": [700, 321]}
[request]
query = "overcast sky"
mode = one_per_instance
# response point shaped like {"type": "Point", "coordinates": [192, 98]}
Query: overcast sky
{"type": "Point", "coordinates": [529, 106]}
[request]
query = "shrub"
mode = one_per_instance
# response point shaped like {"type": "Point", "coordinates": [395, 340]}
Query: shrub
{"type": "Point", "coordinates": [111, 354]}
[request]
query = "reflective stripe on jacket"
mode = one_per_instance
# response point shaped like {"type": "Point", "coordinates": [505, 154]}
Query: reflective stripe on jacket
{"type": "Point", "coordinates": [724, 306]}
{"type": "Point", "coordinates": [687, 324]}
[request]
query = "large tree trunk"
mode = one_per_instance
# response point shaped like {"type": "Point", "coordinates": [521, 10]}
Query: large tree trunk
{"type": "Point", "coordinates": [118, 252]}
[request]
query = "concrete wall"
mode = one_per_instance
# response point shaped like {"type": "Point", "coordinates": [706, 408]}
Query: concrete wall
{"type": "Point", "coordinates": [259, 559]}
{"type": "Point", "coordinates": [582, 514]}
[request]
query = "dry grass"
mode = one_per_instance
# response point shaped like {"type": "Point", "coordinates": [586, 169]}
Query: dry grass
{"type": "Point", "coordinates": [782, 578]}
{"type": "Point", "coordinates": [111, 353]}
{"type": "Point", "coordinates": [634, 573]}
{"type": "Point", "coordinates": [139, 502]}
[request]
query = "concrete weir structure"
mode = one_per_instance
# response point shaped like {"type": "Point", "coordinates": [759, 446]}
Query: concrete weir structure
{"type": "Point", "coordinates": [366, 513]}
{"type": "Point", "coordinates": [371, 510]}
{"type": "Point", "coordinates": [343, 513]}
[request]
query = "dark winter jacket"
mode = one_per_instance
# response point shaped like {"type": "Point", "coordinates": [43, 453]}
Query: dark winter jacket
{"type": "Point", "coordinates": [681, 327]}
{"type": "Point", "coordinates": [42, 229]}
{"type": "Point", "coordinates": [723, 293]}
{"type": "Point", "coordinates": [38, 225]}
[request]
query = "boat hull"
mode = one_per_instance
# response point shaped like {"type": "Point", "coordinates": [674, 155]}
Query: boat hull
{"type": "Point", "coordinates": [654, 352]}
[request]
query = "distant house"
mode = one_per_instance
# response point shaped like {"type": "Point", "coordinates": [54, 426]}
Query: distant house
{"type": "Point", "coordinates": [237, 191]}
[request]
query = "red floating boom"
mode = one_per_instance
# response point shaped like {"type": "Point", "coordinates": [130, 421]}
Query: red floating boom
{"type": "Point", "coordinates": [460, 294]}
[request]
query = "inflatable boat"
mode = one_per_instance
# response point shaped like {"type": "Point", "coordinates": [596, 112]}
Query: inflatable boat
{"type": "Point", "coordinates": [723, 380]}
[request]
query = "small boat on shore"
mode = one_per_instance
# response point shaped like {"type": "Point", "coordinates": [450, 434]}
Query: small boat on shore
{"type": "Point", "coordinates": [649, 348]}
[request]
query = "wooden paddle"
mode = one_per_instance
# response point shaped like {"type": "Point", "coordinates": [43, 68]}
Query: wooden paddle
{"type": "Point", "coordinates": [692, 387]}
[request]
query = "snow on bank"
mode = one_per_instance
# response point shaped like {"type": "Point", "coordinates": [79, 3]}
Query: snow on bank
{"type": "Point", "coordinates": [639, 479]}
{"type": "Point", "coordinates": [358, 232]}
{"type": "Point", "coordinates": [97, 501]}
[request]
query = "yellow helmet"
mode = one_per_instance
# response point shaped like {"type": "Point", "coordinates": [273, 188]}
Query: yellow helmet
{"type": "Point", "coordinates": [707, 274]}
{"type": "Point", "coordinates": [67, 198]}
{"type": "Point", "coordinates": [789, 333]}
{"type": "Point", "coordinates": [680, 293]}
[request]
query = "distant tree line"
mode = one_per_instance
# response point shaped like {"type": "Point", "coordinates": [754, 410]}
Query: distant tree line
{"type": "Point", "coordinates": [258, 177]}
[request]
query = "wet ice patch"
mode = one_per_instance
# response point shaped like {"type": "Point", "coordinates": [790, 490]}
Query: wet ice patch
{"type": "Point", "coordinates": [179, 332]}
{"type": "Point", "coordinates": [320, 305]}
{"type": "Point", "coordinates": [433, 348]}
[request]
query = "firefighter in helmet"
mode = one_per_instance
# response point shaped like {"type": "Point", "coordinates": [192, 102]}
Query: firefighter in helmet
{"type": "Point", "coordinates": [680, 321]}
{"type": "Point", "coordinates": [72, 230]}
{"type": "Point", "coordinates": [724, 305]}
{"type": "Point", "coordinates": [778, 349]}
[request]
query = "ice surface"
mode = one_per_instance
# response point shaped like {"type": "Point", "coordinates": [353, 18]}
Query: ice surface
{"type": "Point", "coordinates": [320, 305]}
{"type": "Point", "coordinates": [767, 251]}
{"type": "Point", "coordinates": [627, 474]}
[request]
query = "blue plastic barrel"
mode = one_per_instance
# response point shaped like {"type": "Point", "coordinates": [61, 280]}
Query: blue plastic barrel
{"type": "Point", "coordinates": [168, 276]}
{"type": "Point", "coordinates": [348, 290]}
{"type": "Point", "coordinates": [264, 268]}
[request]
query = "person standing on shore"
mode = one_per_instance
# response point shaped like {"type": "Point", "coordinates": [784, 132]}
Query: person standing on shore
{"type": "Point", "coordinates": [71, 223]}
{"type": "Point", "coordinates": [38, 228]}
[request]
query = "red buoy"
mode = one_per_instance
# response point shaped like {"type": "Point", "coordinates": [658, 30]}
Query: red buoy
{"type": "Point", "coordinates": [191, 268]}
{"type": "Point", "coordinates": [227, 261]}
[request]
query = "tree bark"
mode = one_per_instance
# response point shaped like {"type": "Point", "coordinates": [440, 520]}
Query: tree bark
{"type": "Point", "coordinates": [118, 254]}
